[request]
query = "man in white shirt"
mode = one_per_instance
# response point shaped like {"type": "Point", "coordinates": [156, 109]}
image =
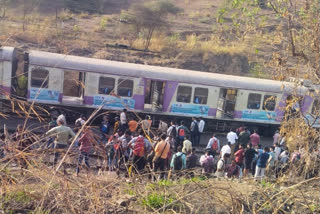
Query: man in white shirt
{"type": "Point", "coordinates": [201, 125]}
{"type": "Point", "coordinates": [123, 117]}
{"type": "Point", "coordinates": [277, 151]}
{"type": "Point", "coordinates": [232, 137]}
{"type": "Point", "coordinates": [226, 149]}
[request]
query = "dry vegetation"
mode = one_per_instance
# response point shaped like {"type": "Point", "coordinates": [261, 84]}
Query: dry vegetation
{"type": "Point", "coordinates": [202, 29]}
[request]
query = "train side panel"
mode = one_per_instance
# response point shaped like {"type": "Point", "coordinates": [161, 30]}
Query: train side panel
{"type": "Point", "coordinates": [114, 92]}
{"type": "Point", "coordinates": [257, 106]}
{"type": "Point", "coordinates": [45, 84]}
{"type": "Point", "coordinates": [194, 100]}
{"type": "Point", "coordinates": [6, 60]}
{"type": "Point", "coordinates": [5, 78]}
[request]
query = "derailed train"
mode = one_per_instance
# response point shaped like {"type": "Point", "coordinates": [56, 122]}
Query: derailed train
{"type": "Point", "coordinates": [65, 80]}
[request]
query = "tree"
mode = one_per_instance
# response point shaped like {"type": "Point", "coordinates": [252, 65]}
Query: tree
{"type": "Point", "coordinates": [3, 7]}
{"type": "Point", "coordinates": [145, 19]}
{"type": "Point", "coordinates": [28, 7]}
{"type": "Point", "coordinates": [296, 24]}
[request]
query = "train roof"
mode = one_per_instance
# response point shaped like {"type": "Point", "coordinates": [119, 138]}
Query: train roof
{"type": "Point", "coordinates": [46, 59]}
{"type": "Point", "coordinates": [6, 53]}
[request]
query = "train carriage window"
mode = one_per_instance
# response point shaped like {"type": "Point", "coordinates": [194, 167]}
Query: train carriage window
{"type": "Point", "coordinates": [200, 96]}
{"type": "Point", "coordinates": [254, 101]}
{"type": "Point", "coordinates": [316, 107]}
{"type": "Point", "coordinates": [125, 88]}
{"type": "Point", "coordinates": [106, 85]}
{"type": "Point", "coordinates": [184, 94]}
{"type": "Point", "coordinates": [39, 78]}
{"type": "Point", "coordinates": [269, 102]}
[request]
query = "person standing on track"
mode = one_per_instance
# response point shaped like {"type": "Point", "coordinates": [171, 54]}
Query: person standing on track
{"type": "Point", "coordinates": [194, 130]}
{"type": "Point", "coordinates": [201, 128]}
{"type": "Point", "coordinates": [249, 155]}
{"type": "Point", "coordinates": [179, 162]}
{"type": "Point", "coordinates": [163, 127]}
{"type": "Point", "coordinates": [140, 146]}
{"type": "Point", "coordinates": [255, 138]}
{"type": "Point", "coordinates": [63, 135]}
{"type": "Point", "coordinates": [213, 145]}
{"type": "Point", "coordinates": [172, 134]}
{"type": "Point", "coordinates": [244, 137]}
{"type": "Point", "coordinates": [85, 142]}
{"type": "Point", "coordinates": [123, 120]}
{"type": "Point", "coordinates": [262, 164]}
{"type": "Point", "coordinates": [133, 125]}
{"type": "Point", "coordinates": [161, 150]}
{"type": "Point", "coordinates": [232, 137]}
{"type": "Point", "coordinates": [181, 133]}
{"type": "Point", "coordinates": [146, 124]}
{"type": "Point", "coordinates": [187, 146]}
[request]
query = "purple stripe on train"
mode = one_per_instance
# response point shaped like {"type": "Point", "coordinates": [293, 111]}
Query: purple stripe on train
{"type": "Point", "coordinates": [4, 90]}
{"type": "Point", "coordinates": [88, 100]}
{"type": "Point", "coordinates": [170, 89]}
{"type": "Point", "coordinates": [237, 114]}
{"type": "Point", "coordinates": [139, 104]}
{"type": "Point", "coordinates": [212, 112]}
{"type": "Point", "coordinates": [307, 100]}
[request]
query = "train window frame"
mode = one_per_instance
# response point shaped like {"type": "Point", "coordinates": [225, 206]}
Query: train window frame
{"type": "Point", "coordinates": [203, 99]}
{"type": "Point", "coordinates": [189, 95]}
{"type": "Point", "coordinates": [100, 91]}
{"type": "Point", "coordinates": [44, 80]}
{"type": "Point", "coordinates": [122, 86]}
{"type": "Point", "coordinates": [250, 102]}
{"type": "Point", "coordinates": [265, 99]}
{"type": "Point", "coordinates": [314, 110]}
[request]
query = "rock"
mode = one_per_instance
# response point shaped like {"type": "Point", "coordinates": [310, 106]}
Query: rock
{"type": "Point", "coordinates": [125, 200]}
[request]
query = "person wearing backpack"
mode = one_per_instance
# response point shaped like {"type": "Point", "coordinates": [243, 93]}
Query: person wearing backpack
{"type": "Point", "coordinates": [140, 148]}
{"type": "Point", "coordinates": [172, 133]}
{"type": "Point", "coordinates": [194, 130]}
{"type": "Point", "coordinates": [178, 161]}
{"type": "Point", "coordinates": [213, 145]}
{"type": "Point", "coordinates": [182, 132]}
{"type": "Point", "coordinates": [221, 166]}
{"type": "Point", "coordinates": [207, 163]}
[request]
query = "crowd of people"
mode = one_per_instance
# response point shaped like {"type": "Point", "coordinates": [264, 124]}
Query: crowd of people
{"type": "Point", "coordinates": [138, 148]}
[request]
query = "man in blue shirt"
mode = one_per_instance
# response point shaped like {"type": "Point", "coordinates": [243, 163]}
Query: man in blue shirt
{"type": "Point", "coordinates": [262, 164]}
{"type": "Point", "coordinates": [178, 161]}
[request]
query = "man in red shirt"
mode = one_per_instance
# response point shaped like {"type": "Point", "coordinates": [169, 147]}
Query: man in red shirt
{"type": "Point", "coordinates": [255, 139]}
{"type": "Point", "coordinates": [85, 142]}
{"type": "Point", "coordinates": [238, 156]}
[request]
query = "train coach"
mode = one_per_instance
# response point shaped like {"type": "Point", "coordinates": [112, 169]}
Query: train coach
{"type": "Point", "coordinates": [65, 80]}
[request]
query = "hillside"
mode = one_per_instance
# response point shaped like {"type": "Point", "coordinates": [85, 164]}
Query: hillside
{"type": "Point", "coordinates": [193, 38]}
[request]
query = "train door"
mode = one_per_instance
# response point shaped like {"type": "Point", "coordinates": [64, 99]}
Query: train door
{"type": "Point", "coordinates": [19, 80]}
{"type": "Point", "coordinates": [73, 87]}
{"type": "Point", "coordinates": [226, 103]}
{"type": "Point", "coordinates": [154, 93]}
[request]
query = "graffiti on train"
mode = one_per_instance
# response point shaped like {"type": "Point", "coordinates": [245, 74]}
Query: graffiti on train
{"type": "Point", "coordinates": [113, 102]}
{"type": "Point", "coordinates": [258, 115]}
{"type": "Point", "coordinates": [189, 109]}
{"type": "Point", "coordinates": [44, 94]}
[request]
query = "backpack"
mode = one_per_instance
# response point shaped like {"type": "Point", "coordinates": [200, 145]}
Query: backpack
{"type": "Point", "coordinates": [196, 128]}
{"type": "Point", "coordinates": [215, 145]}
{"type": "Point", "coordinates": [138, 149]}
{"type": "Point", "coordinates": [173, 132]}
{"type": "Point", "coordinates": [208, 164]}
{"type": "Point", "coordinates": [181, 133]}
{"type": "Point", "coordinates": [177, 163]}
